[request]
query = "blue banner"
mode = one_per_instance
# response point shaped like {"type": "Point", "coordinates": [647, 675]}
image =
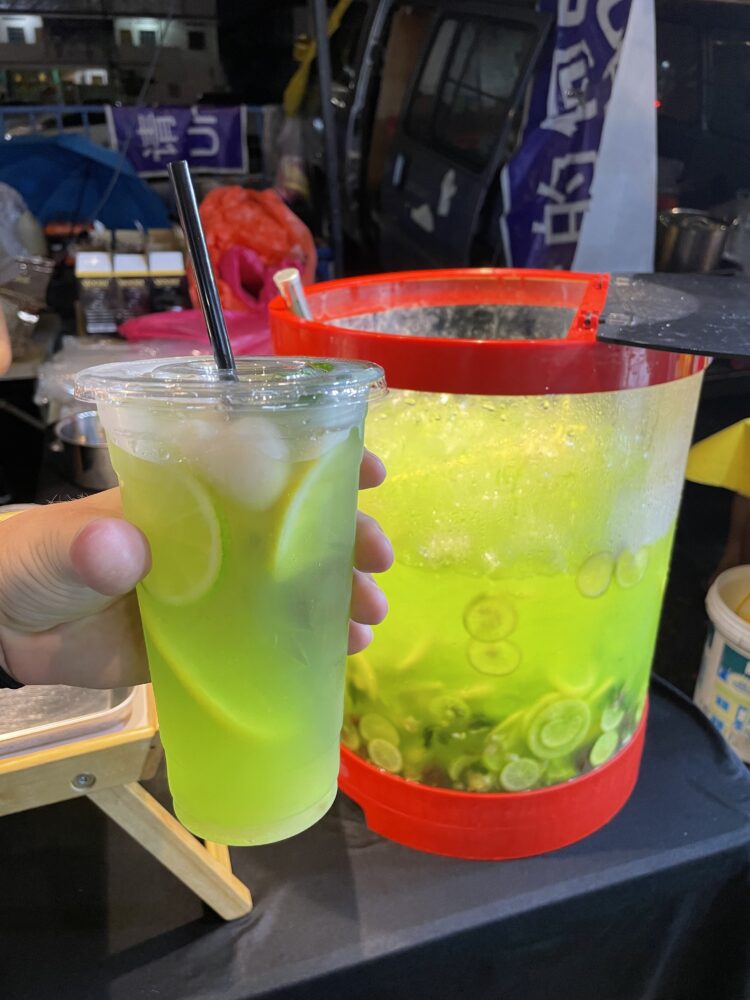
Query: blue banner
{"type": "Point", "coordinates": [211, 139]}
{"type": "Point", "coordinates": [546, 185]}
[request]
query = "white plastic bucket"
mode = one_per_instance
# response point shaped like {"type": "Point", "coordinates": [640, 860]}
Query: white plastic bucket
{"type": "Point", "coordinates": [723, 688]}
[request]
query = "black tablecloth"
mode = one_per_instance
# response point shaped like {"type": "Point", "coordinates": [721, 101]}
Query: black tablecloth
{"type": "Point", "coordinates": [656, 906]}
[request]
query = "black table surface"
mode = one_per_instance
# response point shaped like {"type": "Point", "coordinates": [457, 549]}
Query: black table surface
{"type": "Point", "coordinates": [655, 906]}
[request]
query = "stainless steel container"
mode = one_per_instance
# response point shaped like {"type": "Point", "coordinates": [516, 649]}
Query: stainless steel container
{"type": "Point", "coordinates": [690, 241]}
{"type": "Point", "coordinates": [81, 441]}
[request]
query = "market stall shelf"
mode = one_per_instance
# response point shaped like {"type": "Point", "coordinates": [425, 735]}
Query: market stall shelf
{"type": "Point", "coordinates": [103, 749]}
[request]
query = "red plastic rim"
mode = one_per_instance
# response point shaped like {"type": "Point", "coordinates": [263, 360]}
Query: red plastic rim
{"type": "Point", "coordinates": [492, 827]}
{"type": "Point", "coordinates": [575, 363]}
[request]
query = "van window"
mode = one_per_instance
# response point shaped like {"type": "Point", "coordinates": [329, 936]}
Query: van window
{"type": "Point", "coordinates": [423, 103]}
{"type": "Point", "coordinates": [727, 86]}
{"type": "Point", "coordinates": [407, 31]}
{"type": "Point", "coordinates": [678, 71]}
{"type": "Point", "coordinates": [467, 85]}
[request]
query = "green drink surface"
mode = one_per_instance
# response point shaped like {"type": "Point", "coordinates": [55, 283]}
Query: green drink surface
{"type": "Point", "coordinates": [245, 615]}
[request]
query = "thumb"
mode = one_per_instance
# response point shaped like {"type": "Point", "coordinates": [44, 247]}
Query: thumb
{"type": "Point", "coordinates": [65, 561]}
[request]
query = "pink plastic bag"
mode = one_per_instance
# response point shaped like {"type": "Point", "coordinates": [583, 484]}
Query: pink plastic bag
{"type": "Point", "coordinates": [249, 332]}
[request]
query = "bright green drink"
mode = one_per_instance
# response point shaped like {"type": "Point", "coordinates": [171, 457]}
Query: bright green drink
{"type": "Point", "coordinates": [532, 539]}
{"type": "Point", "coordinates": [247, 495]}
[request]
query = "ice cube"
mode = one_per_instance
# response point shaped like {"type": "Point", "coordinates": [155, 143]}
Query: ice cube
{"type": "Point", "coordinates": [147, 434]}
{"type": "Point", "coordinates": [246, 458]}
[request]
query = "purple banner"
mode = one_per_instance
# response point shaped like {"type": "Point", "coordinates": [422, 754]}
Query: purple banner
{"type": "Point", "coordinates": [213, 139]}
{"type": "Point", "coordinates": [547, 183]}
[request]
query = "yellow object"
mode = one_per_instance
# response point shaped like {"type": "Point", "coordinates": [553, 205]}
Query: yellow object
{"type": "Point", "coordinates": [723, 459]}
{"type": "Point", "coordinates": [4, 515]}
{"type": "Point", "coordinates": [295, 89]}
{"type": "Point", "coordinates": [743, 608]}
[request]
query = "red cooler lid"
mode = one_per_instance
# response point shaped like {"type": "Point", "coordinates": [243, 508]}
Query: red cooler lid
{"type": "Point", "coordinates": [456, 331]}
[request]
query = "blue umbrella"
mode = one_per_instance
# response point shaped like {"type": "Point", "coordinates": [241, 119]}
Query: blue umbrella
{"type": "Point", "coordinates": [65, 178]}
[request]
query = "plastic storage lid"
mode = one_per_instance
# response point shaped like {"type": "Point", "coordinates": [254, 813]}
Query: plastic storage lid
{"type": "Point", "coordinates": [93, 264]}
{"type": "Point", "coordinates": [130, 264]}
{"type": "Point", "coordinates": [382, 318]}
{"type": "Point", "coordinates": [166, 262]}
{"type": "Point", "coordinates": [264, 383]}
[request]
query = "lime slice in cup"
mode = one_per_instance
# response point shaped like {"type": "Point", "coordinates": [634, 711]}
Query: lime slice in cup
{"type": "Point", "coordinates": [175, 513]}
{"type": "Point", "coordinates": [297, 546]}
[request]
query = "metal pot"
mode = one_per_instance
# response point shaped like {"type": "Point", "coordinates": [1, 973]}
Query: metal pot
{"type": "Point", "coordinates": [690, 240]}
{"type": "Point", "coordinates": [81, 441]}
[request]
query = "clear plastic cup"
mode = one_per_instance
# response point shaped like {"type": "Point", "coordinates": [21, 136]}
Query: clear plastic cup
{"type": "Point", "coordinates": [246, 492]}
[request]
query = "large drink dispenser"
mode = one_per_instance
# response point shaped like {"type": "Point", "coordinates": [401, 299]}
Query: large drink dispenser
{"type": "Point", "coordinates": [534, 477]}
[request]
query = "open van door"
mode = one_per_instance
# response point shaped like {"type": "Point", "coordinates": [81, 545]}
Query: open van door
{"type": "Point", "coordinates": [456, 129]}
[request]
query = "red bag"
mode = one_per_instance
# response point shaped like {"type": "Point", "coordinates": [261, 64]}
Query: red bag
{"type": "Point", "coordinates": [235, 219]}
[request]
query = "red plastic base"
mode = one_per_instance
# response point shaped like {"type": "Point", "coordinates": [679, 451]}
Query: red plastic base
{"type": "Point", "coordinates": [489, 827]}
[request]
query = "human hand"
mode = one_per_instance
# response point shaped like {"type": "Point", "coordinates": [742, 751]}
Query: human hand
{"type": "Point", "coordinates": [5, 357]}
{"type": "Point", "coordinates": [68, 613]}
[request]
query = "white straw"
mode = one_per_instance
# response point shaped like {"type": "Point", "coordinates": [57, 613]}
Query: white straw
{"type": "Point", "coordinates": [289, 284]}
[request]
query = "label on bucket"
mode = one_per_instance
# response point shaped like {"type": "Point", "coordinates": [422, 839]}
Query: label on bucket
{"type": "Point", "coordinates": [723, 692]}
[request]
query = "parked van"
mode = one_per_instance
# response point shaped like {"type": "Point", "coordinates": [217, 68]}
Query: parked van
{"type": "Point", "coordinates": [429, 99]}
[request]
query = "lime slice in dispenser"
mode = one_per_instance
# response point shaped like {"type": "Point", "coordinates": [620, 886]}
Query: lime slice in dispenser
{"type": "Point", "coordinates": [489, 618]}
{"type": "Point", "coordinates": [361, 675]}
{"type": "Point", "coordinates": [559, 771]}
{"type": "Point", "coordinates": [559, 728]}
{"type": "Point", "coordinates": [385, 755]}
{"type": "Point", "coordinates": [449, 711]}
{"type": "Point", "coordinates": [603, 749]}
{"type": "Point", "coordinates": [494, 658]}
{"type": "Point", "coordinates": [630, 567]}
{"type": "Point", "coordinates": [350, 737]}
{"type": "Point", "coordinates": [495, 755]}
{"type": "Point", "coordinates": [572, 679]}
{"type": "Point", "coordinates": [520, 775]}
{"type": "Point", "coordinates": [479, 781]}
{"type": "Point", "coordinates": [612, 716]}
{"type": "Point", "coordinates": [377, 727]}
{"type": "Point", "coordinates": [459, 765]}
{"type": "Point", "coordinates": [595, 575]}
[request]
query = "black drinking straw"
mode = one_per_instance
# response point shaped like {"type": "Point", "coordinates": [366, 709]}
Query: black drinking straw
{"type": "Point", "coordinates": [208, 293]}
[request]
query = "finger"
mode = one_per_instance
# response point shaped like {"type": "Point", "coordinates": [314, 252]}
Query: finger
{"type": "Point", "coordinates": [373, 552]}
{"type": "Point", "coordinates": [110, 556]}
{"type": "Point", "coordinates": [360, 637]}
{"type": "Point", "coordinates": [369, 604]}
{"type": "Point", "coordinates": [65, 561]}
{"type": "Point", "coordinates": [371, 471]}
